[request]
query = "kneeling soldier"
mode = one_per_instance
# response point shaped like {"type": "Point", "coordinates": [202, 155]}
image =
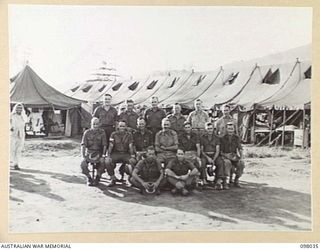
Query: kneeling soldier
{"type": "Point", "coordinates": [148, 175]}
{"type": "Point", "coordinates": [93, 150]}
{"type": "Point", "coordinates": [120, 151]}
{"type": "Point", "coordinates": [181, 173]}
{"type": "Point", "coordinates": [231, 151]}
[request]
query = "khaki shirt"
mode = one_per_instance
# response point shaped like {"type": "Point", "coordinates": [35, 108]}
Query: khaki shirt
{"type": "Point", "coordinates": [198, 119]}
{"type": "Point", "coordinates": [180, 167]}
{"type": "Point", "coordinates": [154, 117]}
{"type": "Point", "coordinates": [121, 141]}
{"type": "Point", "coordinates": [166, 138]}
{"type": "Point", "coordinates": [94, 140]}
{"type": "Point", "coordinates": [130, 118]}
{"type": "Point", "coordinates": [177, 123]}
{"type": "Point", "coordinates": [221, 125]}
{"type": "Point", "coordinates": [106, 117]}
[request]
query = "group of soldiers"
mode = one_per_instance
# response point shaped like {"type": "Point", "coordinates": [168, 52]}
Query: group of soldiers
{"type": "Point", "coordinates": [157, 150]}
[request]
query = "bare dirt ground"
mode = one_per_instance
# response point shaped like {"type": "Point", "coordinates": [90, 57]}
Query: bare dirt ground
{"type": "Point", "coordinates": [49, 194]}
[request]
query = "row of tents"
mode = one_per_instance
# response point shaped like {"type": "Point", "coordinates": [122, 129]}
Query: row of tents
{"type": "Point", "coordinates": [264, 82]}
{"type": "Point", "coordinates": [280, 81]}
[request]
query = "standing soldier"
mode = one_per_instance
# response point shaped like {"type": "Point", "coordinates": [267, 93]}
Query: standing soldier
{"type": "Point", "coordinates": [154, 115]}
{"type": "Point", "coordinates": [176, 119]}
{"type": "Point", "coordinates": [107, 116]}
{"type": "Point", "coordinates": [198, 118]}
{"type": "Point", "coordinates": [120, 151]}
{"type": "Point", "coordinates": [189, 141]}
{"type": "Point", "coordinates": [221, 124]}
{"type": "Point", "coordinates": [231, 151]}
{"type": "Point", "coordinates": [129, 115]}
{"type": "Point", "coordinates": [166, 142]}
{"type": "Point", "coordinates": [210, 150]}
{"type": "Point", "coordinates": [142, 139]}
{"type": "Point", "coordinates": [93, 150]}
{"type": "Point", "coordinates": [181, 173]}
{"type": "Point", "coordinates": [148, 174]}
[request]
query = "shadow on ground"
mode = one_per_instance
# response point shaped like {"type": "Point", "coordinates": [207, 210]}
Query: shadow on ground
{"type": "Point", "coordinates": [253, 202]}
{"type": "Point", "coordinates": [29, 183]}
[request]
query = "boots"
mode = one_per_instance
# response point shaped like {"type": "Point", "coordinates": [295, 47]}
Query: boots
{"type": "Point", "coordinates": [236, 182]}
{"type": "Point", "coordinates": [97, 180]}
{"type": "Point", "coordinates": [225, 184]}
{"type": "Point", "coordinates": [90, 181]}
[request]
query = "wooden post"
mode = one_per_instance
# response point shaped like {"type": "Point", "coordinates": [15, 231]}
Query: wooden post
{"type": "Point", "coordinates": [283, 127]}
{"type": "Point", "coordinates": [303, 127]}
{"type": "Point", "coordinates": [271, 126]}
{"type": "Point", "coordinates": [254, 126]}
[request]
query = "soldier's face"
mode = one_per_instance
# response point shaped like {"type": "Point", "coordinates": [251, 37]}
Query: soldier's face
{"type": "Point", "coordinates": [95, 124]}
{"type": "Point", "coordinates": [176, 109]}
{"type": "Point", "coordinates": [166, 125]}
{"type": "Point", "coordinates": [122, 126]}
{"type": "Point", "coordinates": [107, 100]}
{"type": "Point", "coordinates": [141, 124]}
{"type": "Point", "coordinates": [197, 105]}
{"type": "Point", "coordinates": [154, 103]}
{"type": "Point", "coordinates": [130, 106]}
{"type": "Point", "coordinates": [151, 154]}
{"type": "Point", "coordinates": [230, 129]}
{"type": "Point", "coordinates": [226, 110]}
{"type": "Point", "coordinates": [180, 155]}
{"type": "Point", "coordinates": [209, 129]}
{"type": "Point", "coordinates": [187, 128]}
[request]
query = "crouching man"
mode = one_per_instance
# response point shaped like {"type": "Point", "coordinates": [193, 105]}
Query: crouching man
{"type": "Point", "coordinates": [93, 150]}
{"type": "Point", "coordinates": [231, 151]}
{"type": "Point", "coordinates": [181, 173]}
{"type": "Point", "coordinates": [148, 175]}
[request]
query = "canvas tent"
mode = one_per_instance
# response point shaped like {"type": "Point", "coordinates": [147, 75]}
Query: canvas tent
{"type": "Point", "coordinates": [32, 91]}
{"type": "Point", "coordinates": [29, 89]}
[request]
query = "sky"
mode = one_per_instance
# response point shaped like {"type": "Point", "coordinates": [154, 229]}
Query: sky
{"type": "Point", "coordinates": [65, 45]}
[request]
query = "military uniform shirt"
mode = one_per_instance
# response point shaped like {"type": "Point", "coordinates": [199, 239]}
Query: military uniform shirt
{"type": "Point", "coordinates": [94, 140]}
{"type": "Point", "coordinates": [188, 144]}
{"type": "Point", "coordinates": [166, 138]}
{"type": "Point", "coordinates": [209, 145]}
{"type": "Point", "coordinates": [149, 169]}
{"type": "Point", "coordinates": [221, 125]}
{"type": "Point", "coordinates": [130, 117]}
{"type": "Point", "coordinates": [107, 118]}
{"type": "Point", "coordinates": [154, 118]}
{"type": "Point", "coordinates": [230, 143]}
{"type": "Point", "coordinates": [180, 167]}
{"type": "Point", "coordinates": [121, 141]}
{"type": "Point", "coordinates": [198, 119]}
{"type": "Point", "coordinates": [142, 141]}
{"type": "Point", "coordinates": [177, 122]}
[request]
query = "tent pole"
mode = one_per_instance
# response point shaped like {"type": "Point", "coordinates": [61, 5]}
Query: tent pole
{"type": "Point", "coordinates": [254, 126]}
{"type": "Point", "coordinates": [283, 127]}
{"type": "Point", "coordinates": [303, 126]}
{"type": "Point", "coordinates": [271, 126]}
